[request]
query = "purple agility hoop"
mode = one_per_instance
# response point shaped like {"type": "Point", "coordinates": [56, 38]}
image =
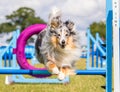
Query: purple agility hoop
{"type": "Point", "coordinates": [20, 48]}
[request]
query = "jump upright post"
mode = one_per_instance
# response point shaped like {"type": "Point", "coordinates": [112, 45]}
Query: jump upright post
{"type": "Point", "coordinates": [109, 14]}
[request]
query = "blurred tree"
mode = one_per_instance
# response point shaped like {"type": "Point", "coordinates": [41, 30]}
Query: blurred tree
{"type": "Point", "coordinates": [98, 27]}
{"type": "Point", "coordinates": [21, 18]}
{"type": "Point", "coordinates": [6, 27]}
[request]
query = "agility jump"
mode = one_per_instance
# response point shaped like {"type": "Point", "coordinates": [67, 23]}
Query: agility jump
{"type": "Point", "coordinates": [26, 68]}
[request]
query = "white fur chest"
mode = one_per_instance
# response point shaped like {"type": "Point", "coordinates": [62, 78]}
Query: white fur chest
{"type": "Point", "coordinates": [68, 57]}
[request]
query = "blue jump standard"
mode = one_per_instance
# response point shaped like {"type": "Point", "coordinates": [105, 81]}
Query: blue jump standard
{"type": "Point", "coordinates": [45, 72]}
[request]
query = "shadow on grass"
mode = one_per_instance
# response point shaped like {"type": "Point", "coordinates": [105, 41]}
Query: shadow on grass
{"type": "Point", "coordinates": [104, 87]}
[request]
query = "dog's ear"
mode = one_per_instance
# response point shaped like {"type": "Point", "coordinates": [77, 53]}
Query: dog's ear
{"type": "Point", "coordinates": [52, 31]}
{"type": "Point", "coordinates": [71, 26]}
{"type": "Point", "coordinates": [55, 22]}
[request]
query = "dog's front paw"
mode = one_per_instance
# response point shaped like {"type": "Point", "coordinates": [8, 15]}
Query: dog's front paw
{"type": "Point", "coordinates": [61, 76]}
{"type": "Point", "coordinates": [55, 70]}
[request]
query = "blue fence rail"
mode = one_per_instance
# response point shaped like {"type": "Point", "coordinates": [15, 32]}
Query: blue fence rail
{"type": "Point", "coordinates": [6, 52]}
{"type": "Point", "coordinates": [8, 55]}
{"type": "Point", "coordinates": [96, 52]}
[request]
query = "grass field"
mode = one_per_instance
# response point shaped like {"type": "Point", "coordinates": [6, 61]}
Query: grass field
{"type": "Point", "coordinates": [78, 83]}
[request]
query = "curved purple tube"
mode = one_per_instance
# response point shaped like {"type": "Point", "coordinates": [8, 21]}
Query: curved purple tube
{"type": "Point", "coordinates": [20, 48]}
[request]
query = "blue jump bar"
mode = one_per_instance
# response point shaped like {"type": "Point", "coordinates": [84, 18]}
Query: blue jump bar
{"type": "Point", "coordinates": [45, 72]}
{"type": "Point", "coordinates": [22, 71]}
{"type": "Point", "coordinates": [90, 72]}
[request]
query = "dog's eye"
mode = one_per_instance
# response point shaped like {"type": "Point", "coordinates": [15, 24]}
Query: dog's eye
{"type": "Point", "coordinates": [51, 31]}
{"type": "Point", "coordinates": [58, 34]}
{"type": "Point", "coordinates": [66, 35]}
{"type": "Point", "coordinates": [57, 17]}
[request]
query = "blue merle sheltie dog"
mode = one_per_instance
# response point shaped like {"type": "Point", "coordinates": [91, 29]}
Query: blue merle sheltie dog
{"type": "Point", "coordinates": [58, 46]}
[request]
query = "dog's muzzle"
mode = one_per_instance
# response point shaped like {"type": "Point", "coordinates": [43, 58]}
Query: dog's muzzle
{"type": "Point", "coordinates": [63, 44]}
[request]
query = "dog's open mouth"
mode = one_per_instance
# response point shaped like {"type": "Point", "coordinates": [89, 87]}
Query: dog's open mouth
{"type": "Point", "coordinates": [63, 46]}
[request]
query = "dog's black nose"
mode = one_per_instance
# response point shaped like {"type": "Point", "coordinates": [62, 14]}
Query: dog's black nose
{"type": "Point", "coordinates": [63, 41]}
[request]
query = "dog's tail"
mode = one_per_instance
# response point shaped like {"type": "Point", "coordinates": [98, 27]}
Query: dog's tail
{"type": "Point", "coordinates": [55, 17]}
{"type": "Point", "coordinates": [56, 11]}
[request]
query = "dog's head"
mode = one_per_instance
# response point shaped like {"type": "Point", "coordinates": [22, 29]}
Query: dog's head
{"type": "Point", "coordinates": [60, 32]}
{"type": "Point", "coordinates": [62, 36]}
